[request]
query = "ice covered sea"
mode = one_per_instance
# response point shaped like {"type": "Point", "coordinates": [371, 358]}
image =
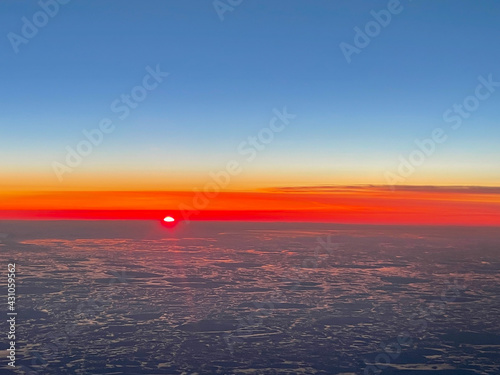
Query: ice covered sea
{"type": "Point", "coordinates": [253, 298]}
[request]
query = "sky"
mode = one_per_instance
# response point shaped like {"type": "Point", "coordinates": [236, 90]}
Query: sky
{"type": "Point", "coordinates": [208, 76]}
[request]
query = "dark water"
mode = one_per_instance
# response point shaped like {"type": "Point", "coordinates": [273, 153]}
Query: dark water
{"type": "Point", "coordinates": [136, 298]}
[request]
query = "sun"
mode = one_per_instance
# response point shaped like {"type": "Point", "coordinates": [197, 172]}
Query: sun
{"type": "Point", "coordinates": [169, 219]}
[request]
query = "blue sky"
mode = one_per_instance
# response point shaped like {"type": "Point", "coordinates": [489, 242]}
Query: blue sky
{"type": "Point", "coordinates": [227, 76]}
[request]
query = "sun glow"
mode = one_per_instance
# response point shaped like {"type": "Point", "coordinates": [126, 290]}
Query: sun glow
{"type": "Point", "coordinates": [169, 219]}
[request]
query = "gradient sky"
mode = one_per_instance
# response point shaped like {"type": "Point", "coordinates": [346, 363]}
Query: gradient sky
{"type": "Point", "coordinates": [226, 77]}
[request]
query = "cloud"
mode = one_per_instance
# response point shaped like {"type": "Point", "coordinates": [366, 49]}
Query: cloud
{"type": "Point", "coordinates": [385, 188]}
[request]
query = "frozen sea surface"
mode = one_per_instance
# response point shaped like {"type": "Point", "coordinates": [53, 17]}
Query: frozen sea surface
{"type": "Point", "coordinates": [248, 298]}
